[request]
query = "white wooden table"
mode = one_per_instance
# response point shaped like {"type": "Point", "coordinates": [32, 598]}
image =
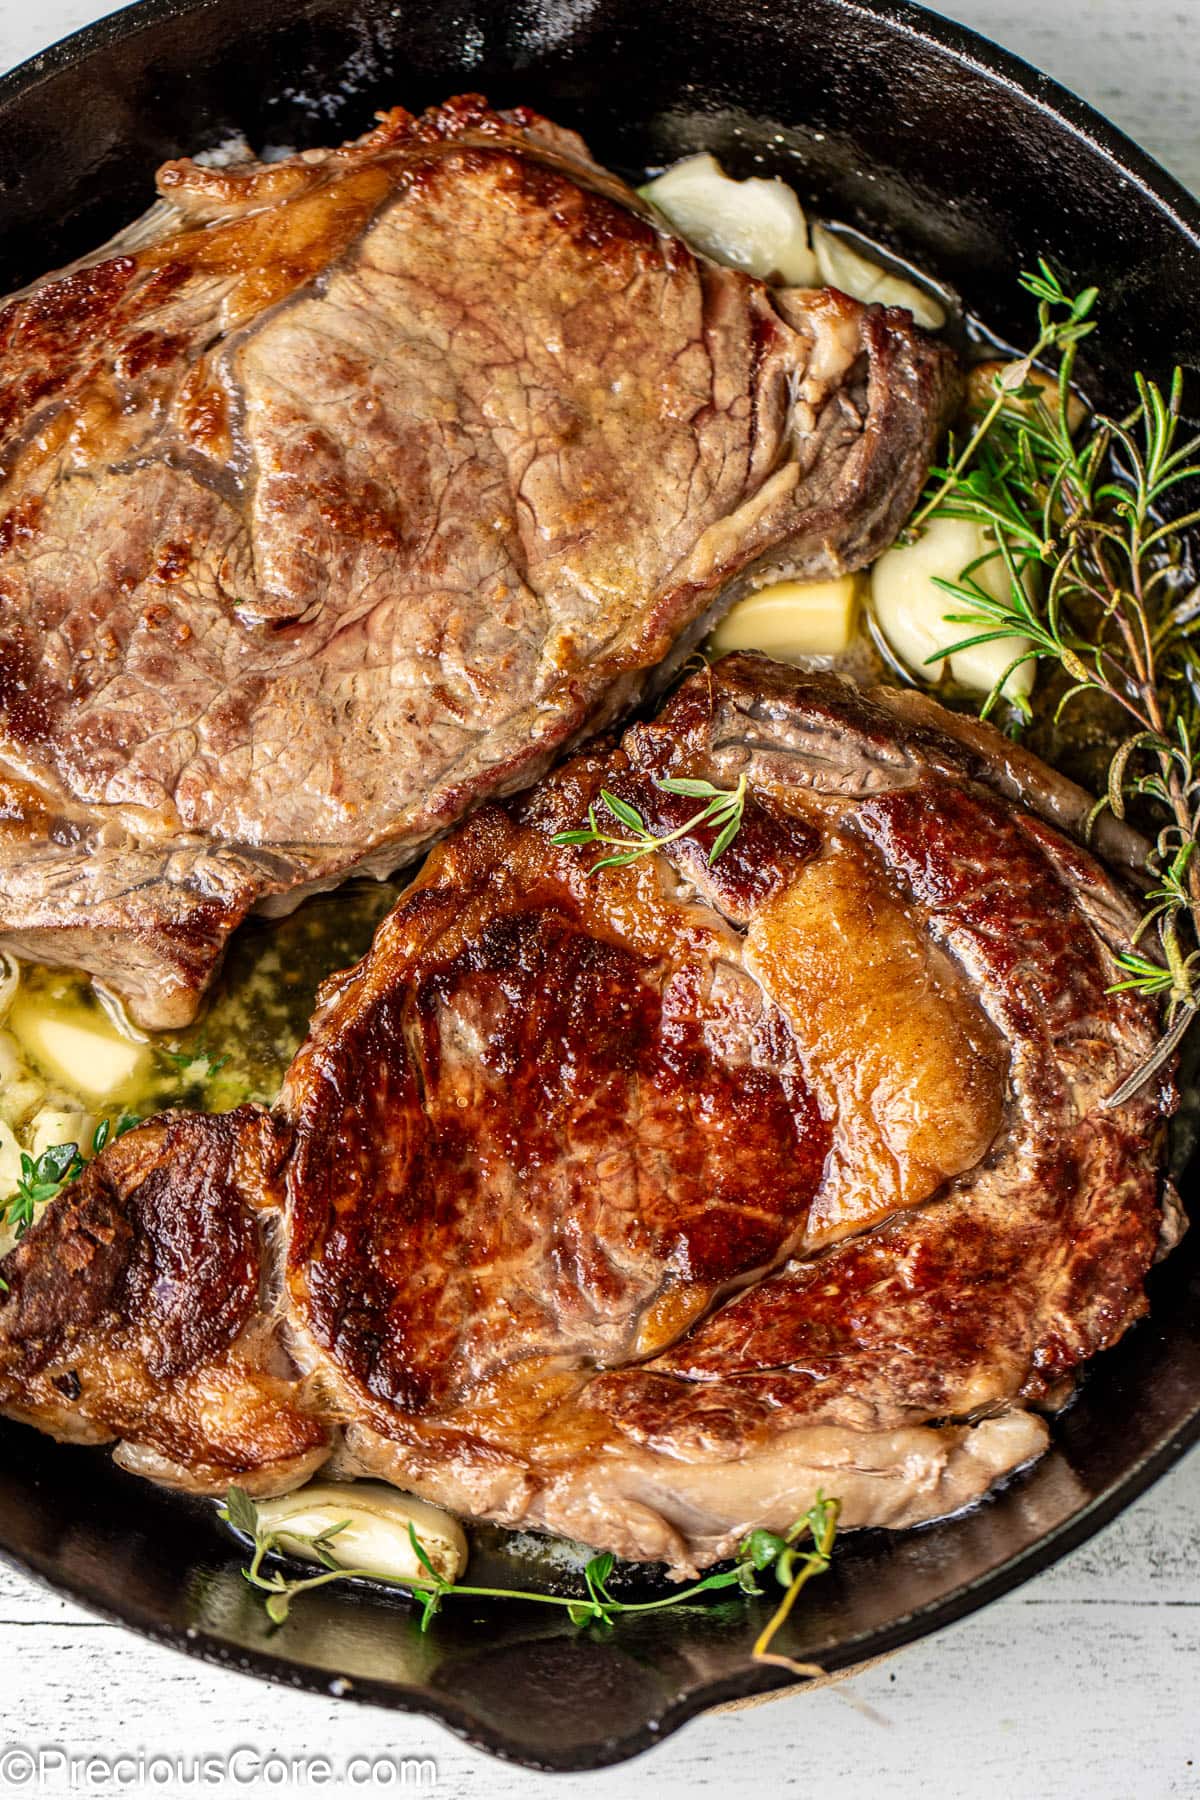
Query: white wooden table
{"type": "Point", "coordinates": [1084, 1685]}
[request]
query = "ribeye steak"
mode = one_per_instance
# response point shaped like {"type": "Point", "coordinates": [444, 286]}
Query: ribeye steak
{"type": "Point", "coordinates": [638, 1204]}
{"type": "Point", "coordinates": [344, 491]}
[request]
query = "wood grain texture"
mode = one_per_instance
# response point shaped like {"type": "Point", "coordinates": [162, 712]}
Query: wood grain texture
{"type": "Point", "coordinates": [1084, 1685]}
{"type": "Point", "coordinates": [1136, 61]}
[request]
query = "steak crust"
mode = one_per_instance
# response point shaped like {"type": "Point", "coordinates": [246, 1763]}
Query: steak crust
{"type": "Point", "coordinates": [640, 1205]}
{"type": "Point", "coordinates": [343, 492]}
{"type": "Point", "coordinates": [138, 1311]}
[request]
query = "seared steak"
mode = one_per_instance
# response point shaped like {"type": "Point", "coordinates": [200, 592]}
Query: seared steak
{"type": "Point", "coordinates": [638, 1204]}
{"type": "Point", "coordinates": [345, 491]}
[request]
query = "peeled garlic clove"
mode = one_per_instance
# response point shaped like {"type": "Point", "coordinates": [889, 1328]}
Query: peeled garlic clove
{"type": "Point", "coordinates": [52, 1125]}
{"type": "Point", "coordinates": [10, 1161]}
{"type": "Point", "coordinates": [792, 619]}
{"type": "Point", "coordinates": [911, 610]}
{"type": "Point", "coordinates": [981, 667]}
{"type": "Point", "coordinates": [842, 267]}
{"type": "Point", "coordinates": [375, 1535]}
{"type": "Point", "coordinates": [755, 225]}
{"type": "Point", "coordinates": [981, 390]}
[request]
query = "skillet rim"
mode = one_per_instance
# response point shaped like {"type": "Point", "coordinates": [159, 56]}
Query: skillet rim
{"type": "Point", "coordinates": [1071, 117]}
{"type": "Point", "coordinates": [907, 17]}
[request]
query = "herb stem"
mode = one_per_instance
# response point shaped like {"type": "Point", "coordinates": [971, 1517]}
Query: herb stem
{"type": "Point", "coordinates": [723, 809]}
{"type": "Point", "coordinates": [1117, 610]}
{"type": "Point", "coordinates": [1007, 385]}
{"type": "Point", "coordinates": [824, 1520]}
{"type": "Point", "coordinates": [758, 1551]}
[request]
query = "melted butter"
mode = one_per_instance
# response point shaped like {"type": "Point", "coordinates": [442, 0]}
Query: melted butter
{"type": "Point", "coordinates": [238, 1050]}
{"type": "Point", "coordinates": [904, 1064]}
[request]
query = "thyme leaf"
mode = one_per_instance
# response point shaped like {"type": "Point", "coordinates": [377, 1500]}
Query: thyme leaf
{"type": "Point", "coordinates": [759, 1551]}
{"type": "Point", "coordinates": [1098, 581]}
{"type": "Point", "coordinates": [723, 808]}
{"type": "Point", "coordinates": [197, 1064]}
{"type": "Point", "coordinates": [43, 1177]}
{"type": "Point", "coordinates": [820, 1521]}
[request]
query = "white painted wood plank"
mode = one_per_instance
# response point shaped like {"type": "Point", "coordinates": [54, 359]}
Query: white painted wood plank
{"type": "Point", "coordinates": [1083, 1685]}
{"type": "Point", "coordinates": [1136, 61]}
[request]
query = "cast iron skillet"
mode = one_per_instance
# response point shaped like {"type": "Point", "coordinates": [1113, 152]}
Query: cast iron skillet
{"type": "Point", "coordinates": [973, 165]}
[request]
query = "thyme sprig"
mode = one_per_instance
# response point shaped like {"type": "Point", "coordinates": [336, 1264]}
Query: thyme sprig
{"type": "Point", "coordinates": [1098, 582]}
{"type": "Point", "coordinates": [758, 1552]}
{"type": "Point", "coordinates": [793, 1571]}
{"type": "Point", "coordinates": [723, 808]}
{"type": "Point", "coordinates": [43, 1177]}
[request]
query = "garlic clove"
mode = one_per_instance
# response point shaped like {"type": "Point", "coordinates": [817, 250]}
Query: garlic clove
{"type": "Point", "coordinates": [792, 619]}
{"type": "Point", "coordinates": [756, 225]}
{"type": "Point", "coordinates": [843, 267]}
{"type": "Point", "coordinates": [375, 1536]}
{"type": "Point", "coordinates": [52, 1125]}
{"type": "Point", "coordinates": [10, 1161]}
{"type": "Point", "coordinates": [981, 667]}
{"type": "Point", "coordinates": [911, 609]}
{"type": "Point", "coordinates": [981, 390]}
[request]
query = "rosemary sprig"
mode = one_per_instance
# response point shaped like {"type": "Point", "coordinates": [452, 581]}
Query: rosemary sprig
{"type": "Point", "coordinates": [760, 1551]}
{"type": "Point", "coordinates": [723, 807]}
{"type": "Point", "coordinates": [1098, 582]}
{"type": "Point", "coordinates": [1055, 336]}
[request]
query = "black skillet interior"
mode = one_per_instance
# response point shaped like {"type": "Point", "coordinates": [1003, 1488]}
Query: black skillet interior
{"type": "Point", "coordinates": [972, 165]}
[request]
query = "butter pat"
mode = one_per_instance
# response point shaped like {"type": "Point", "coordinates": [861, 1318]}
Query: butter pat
{"type": "Point", "coordinates": [792, 619]}
{"type": "Point", "coordinates": [78, 1051]}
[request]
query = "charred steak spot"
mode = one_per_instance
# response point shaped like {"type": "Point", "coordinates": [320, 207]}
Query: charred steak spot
{"type": "Point", "coordinates": [153, 1240]}
{"type": "Point", "coordinates": [62, 1279]}
{"type": "Point", "coordinates": [193, 1278]}
{"type": "Point", "coordinates": [568, 1142]}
